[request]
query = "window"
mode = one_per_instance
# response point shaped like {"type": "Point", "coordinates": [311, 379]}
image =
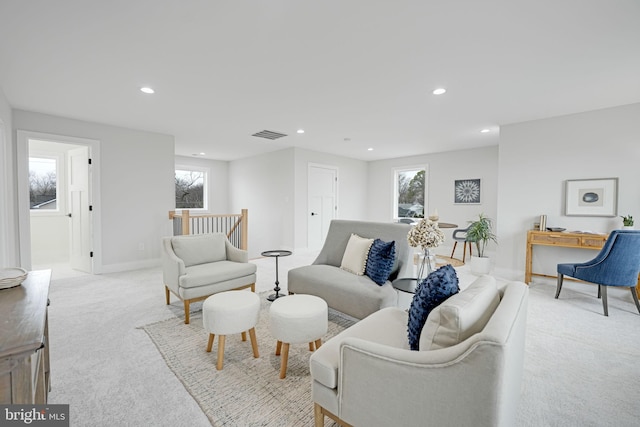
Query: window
{"type": "Point", "coordinates": [43, 183]}
{"type": "Point", "coordinates": [191, 188]}
{"type": "Point", "coordinates": [410, 188]}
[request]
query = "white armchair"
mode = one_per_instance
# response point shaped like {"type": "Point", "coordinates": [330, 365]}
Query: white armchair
{"type": "Point", "coordinates": [197, 266]}
{"type": "Point", "coordinates": [468, 371]}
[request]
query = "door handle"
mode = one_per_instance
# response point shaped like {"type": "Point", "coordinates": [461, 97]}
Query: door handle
{"type": "Point", "coordinates": [313, 213]}
{"type": "Point", "coordinates": [69, 215]}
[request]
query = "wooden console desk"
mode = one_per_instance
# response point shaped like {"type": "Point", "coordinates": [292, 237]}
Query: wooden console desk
{"type": "Point", "coordinates": [24, 341]}
{"type": "Point", "coordinates": [562, 240]}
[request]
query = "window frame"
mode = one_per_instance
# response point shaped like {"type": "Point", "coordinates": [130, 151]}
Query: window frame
{"type": "Point", "coordinates": [205, 186]}
{"type": "Point", "coordinates": [61, 189]}
{"type": "Point", "coordinates": [395, 175]}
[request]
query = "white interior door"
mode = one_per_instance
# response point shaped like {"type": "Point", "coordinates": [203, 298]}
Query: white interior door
{"type": "Point", "coordinates": [79, 201]}
{"type": "Point", "coordinates": [322, 205]}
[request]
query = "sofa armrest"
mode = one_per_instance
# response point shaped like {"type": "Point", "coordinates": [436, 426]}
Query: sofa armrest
{"type": "Point", "coordinates": [452, 385]}
{"type": "Point", "coordinates": [172, 266]}
{"type": "Point", "coordinates": [235, 254]}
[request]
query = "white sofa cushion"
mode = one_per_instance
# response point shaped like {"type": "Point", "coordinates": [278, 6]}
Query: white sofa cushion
{"type": "Point", "coordinates": [200, 249]}
{"type": "Point", "coordinates": [460, 316]}
{"type": "Point", "coordinates": [355, 255]}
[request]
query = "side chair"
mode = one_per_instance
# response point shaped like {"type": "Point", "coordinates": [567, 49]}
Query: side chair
{"type": "Point", "coordinates": [460, 235]}
{"type": "Point", "coordinates": [617, 264]}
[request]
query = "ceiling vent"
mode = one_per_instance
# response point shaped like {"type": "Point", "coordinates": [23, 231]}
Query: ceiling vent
{"type": "Point", "coordinates": [269, 134]}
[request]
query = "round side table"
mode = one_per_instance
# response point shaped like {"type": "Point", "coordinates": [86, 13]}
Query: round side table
{"type": "Point", "coordinates": [276, 254]}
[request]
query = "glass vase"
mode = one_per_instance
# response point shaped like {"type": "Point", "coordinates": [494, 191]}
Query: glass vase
{"type": "Point", "coordinates": [426, 264]}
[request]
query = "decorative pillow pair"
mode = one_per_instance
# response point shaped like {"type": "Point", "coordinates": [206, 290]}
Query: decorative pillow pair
{"type": "Point", "coordinates": [372, 257]}
{"type": "Point", "coordinates": [430, 293]}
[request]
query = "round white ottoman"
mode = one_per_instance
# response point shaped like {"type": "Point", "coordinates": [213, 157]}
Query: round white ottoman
{"type": "Point", "coordinates": [297, 319]}
{"type": "Point", "coordinates": [231, 312]}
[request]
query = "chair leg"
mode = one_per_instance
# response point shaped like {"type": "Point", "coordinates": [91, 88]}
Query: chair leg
{"type": "Point", "coordinates": [599, 292]}
{"type": "Point", "coordinates": [186, 311]}
{"type": "Point", "coordinates": [464, 251]}
{"type": "Point", "coordinates": [318, 416]}
{"type": "Point", "coordinates": [559, 286]}
{"type": "Point", "coordinates": [470, 249]}
{"type": "Point", "coordinates": [604, 299]}
{"type": "Point", "coordinates": [166, 294]}
{"type": "Point", "coordinates": [635, 297]}
{"type": "Point", "coordinates": [454, 248]}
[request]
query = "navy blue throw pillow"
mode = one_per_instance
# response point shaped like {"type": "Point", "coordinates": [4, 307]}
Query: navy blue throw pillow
{"type": "Point", "coordinates": [380, 261]}
{"type": "Point", "coordinates": [430, 293]}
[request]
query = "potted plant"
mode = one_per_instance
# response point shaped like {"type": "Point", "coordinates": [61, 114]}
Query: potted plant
{"type": "Point", "coordinates": [627, 222]}
{"type": "Point", "coordinates": [480, 232]}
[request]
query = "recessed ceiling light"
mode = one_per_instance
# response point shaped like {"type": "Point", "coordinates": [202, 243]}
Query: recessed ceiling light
{"type": "Point", "coordinates": [439, 91]}
{"type": "Point", "coordinates": [369, 149]}
{"type": "Point", "coordinates": [147, 90]}
{"type": "Point", "coordinates": [485, 130]}
{"type": "Point", "coordinates": [300, 130]}
{"type": "Point", "coordinates": [202, 154]}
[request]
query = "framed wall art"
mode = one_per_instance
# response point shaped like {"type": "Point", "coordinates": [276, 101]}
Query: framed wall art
{"type": "Point", "coordinates": [591, 197]}
{"type": "Point", "coordinates": [466, 191]}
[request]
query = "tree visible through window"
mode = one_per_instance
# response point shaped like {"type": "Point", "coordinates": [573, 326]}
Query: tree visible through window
{"type": "Point", "coordinates": [410, 193]}
{"type": "Point", "coordinates": [43, 183]}
{"type": "Point", "coordinates": [190, 189]}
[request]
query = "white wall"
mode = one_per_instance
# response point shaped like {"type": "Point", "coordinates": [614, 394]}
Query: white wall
{"type": "Point", "coordinates": [535, 160]}
{"type": "Point", "coordinates": [218, 191]}
{"type": "Point", "coordinates": [352, 189]}
{"type": "Point", "coordinates": [8, 204]}
{"type": "Point", "coordinates": [443, 170]}
{"type": "Point", "coordinates": [137, 186]}
{"type": "Point", "coordinates": [264, 185]}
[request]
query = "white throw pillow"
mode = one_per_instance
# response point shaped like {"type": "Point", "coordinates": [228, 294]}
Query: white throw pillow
{"type": "Point", "coordinates": [355, 255]}
{"type": "Point", "coordinates": [461, 315]}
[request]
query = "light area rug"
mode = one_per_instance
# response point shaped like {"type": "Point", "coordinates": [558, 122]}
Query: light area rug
{"type": "Point", "coordinates": [248, 390]}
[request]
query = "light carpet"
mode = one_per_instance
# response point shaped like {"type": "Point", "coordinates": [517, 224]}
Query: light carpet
{"type": "Point", "coordinates": [247, 391]}
{"type": "Point", "coordinates": [580, 369]}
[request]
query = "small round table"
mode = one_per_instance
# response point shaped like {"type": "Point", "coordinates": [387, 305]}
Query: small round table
{"type": "Point", "coordinates": [276, 254]}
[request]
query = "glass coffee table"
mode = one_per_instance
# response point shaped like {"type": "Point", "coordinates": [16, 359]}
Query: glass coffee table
{"type": "Point", "coordinates": [406, 284]}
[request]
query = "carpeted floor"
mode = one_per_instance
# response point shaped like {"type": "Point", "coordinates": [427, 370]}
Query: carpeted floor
{"type": "Point", "coordinates": [247, 391]}
{"type": "Point", "coordinates": [581, 368]}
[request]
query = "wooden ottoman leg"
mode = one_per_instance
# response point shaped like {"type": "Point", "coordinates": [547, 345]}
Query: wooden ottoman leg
{"type": "Point", "coordinates": [220, 352]}
{"type": "Point", "coordinates": [285, 360]}
{"type": "Point", "coordinates": [254, 342]}
{"type": "Point", "coordinates": [311, 347]}
{"type": "Point", "coordinates": [318, 343]}
{"type": "Point", "coordinates": [210, 343]}
{"type": "Point", "coordinates": [167, 294]}
{"type": "Point", "coordinates": [278, 348]}
{"type": "Point", "coordinates": [244, 335]}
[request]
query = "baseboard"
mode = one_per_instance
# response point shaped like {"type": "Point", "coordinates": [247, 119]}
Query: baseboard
{"type": "Point", "coordinates": [128, 266]}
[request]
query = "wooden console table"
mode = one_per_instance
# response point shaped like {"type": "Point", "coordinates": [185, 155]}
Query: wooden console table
{"type": "Point", "coordinates": [562, 240]}
{"type": "Point", "coordinates": [24, 341]}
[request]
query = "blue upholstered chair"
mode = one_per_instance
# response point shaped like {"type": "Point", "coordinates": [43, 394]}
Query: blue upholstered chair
{"type": "Point", "coordinates": [460, 235]}
{"type": "Point", "coordinates": [617, 264]}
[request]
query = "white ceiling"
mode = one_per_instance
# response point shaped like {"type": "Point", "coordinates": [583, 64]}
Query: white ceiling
{"type": "Point", "coordinates": [353, 74]}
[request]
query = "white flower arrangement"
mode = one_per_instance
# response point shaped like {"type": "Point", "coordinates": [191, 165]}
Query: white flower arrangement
{"type": "Point", "coordinates": [426, 234]}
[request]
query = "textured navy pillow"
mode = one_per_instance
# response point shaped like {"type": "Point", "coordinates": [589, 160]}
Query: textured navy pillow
{"type": "Point", "coordinates": [430, 293]}
{"type": "Point", "coordinates": [380, 261]}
